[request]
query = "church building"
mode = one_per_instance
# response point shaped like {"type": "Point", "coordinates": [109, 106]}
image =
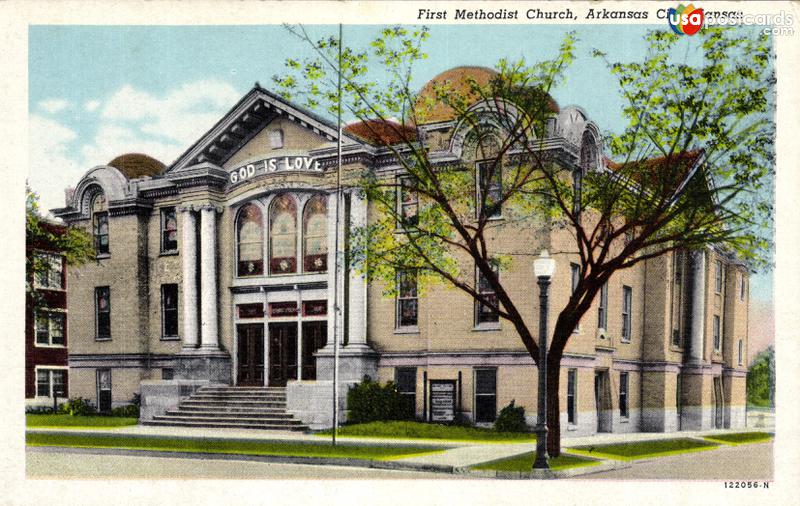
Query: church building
{"type": "Point", "coordinates": [216, 271]}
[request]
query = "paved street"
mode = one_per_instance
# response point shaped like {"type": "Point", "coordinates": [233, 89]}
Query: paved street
{"type": "Point", "coordinates": [745, 462]}
{"type": "Point", "coordinates": [40, 463]}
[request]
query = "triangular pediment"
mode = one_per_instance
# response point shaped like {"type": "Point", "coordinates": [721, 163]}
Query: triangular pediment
{"type": "Point", "coordinates": [243, 132]}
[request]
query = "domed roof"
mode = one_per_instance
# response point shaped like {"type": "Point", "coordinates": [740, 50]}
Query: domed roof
{"type": "Point", "coordinates": [381, 133]}
{"type": "Point", "coordinates": [135, 165]}
{"type": "Point", "coordinates": [458, 77]}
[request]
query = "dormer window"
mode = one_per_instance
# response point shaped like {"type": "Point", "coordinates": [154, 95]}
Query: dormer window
{"type": "Point", "coordinates": [276, 139]}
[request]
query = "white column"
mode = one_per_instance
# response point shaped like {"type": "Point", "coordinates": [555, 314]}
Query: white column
{"type": "Point", "coordinates": [188, 249]}
{"type": "Point", "coordinates": [209, 331]}
{"type": "Point", "coordinates": [332, 258]}
{"type": "Point", "coordinates": [698, 307]}
{"type": "Point", "coordinates": [358, 282]}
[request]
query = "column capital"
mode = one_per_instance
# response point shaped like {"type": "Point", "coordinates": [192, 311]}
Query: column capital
{"type": "Point", "coordinates": [199, 206]}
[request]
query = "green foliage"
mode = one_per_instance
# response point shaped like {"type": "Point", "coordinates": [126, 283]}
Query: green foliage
{"type": "Point", "coordinates": [760, 379]}
{"type": "Point", "coordinates": [421, 430]}
{"type": "Point", "coordinates": [523, 463]}
{"type": "Point", "coordinates": [75, 244]}
{"type": "Point", "coordinates": [77, 406]}
{"type": "Point", "coordinates": [511, 419]}
{"type": "Point", "coordinates": [127, 411]}
{"type": "Point", "coordinates": [370, 401]}
{"type": "Point", "coordinates": [51, 420]}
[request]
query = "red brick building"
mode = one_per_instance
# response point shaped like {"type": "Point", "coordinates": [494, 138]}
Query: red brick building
{"type": "Point", "coordinates": [46, 370]}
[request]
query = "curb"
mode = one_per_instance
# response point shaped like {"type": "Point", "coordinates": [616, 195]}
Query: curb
{"type": "Point", "coordinates": [601, 466]}
{"type": "Point", "coordinates": [277, 459]}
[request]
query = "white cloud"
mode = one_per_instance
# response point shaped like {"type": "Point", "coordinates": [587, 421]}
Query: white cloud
{"type": "Point", "coordinates": [182, 115]}
{"type": "Point", "coordinates": [53, 105]}
{"type": "Point", "coordinates": [52, 168]}
{"type": "Point", "coordinates": [130, 120]}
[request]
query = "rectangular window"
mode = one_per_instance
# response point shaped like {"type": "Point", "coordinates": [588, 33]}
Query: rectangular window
{"type": "Point", "coordinates": [169, 230]}
{"type": "Point", "coordinates": [718, 276]}
{"type": "Point", "coordinates": [627, 296]}
{"type": "Point", "coordinates": [50, 328]}
{"type": "Point", "coordinates": [167, 373]}
{"type": "Point", "coordinates": [408, 203]}
{"type": "Point", "coordinates": [101, 232]}
{"type": "Point", "coordinates": [102, 306]}
{"type": "Point", "coordinates": [490, 178]}
{"type": "Point", "coordinates": [572, 406]}
{"type": "Point", "coordinates": [407, 301]}
{"type": "Point", "coordinates": [717, 334]}
{"type": "Point", "coordinates": [484, 313]}
{"type": "Point", "coordinates": [51, 382]}
{"type": "Point", "coordinates": [169, 310]}
{"type": "Point", "coordinates": [485, 395]}
{"type": "Point", "coordinates": [406, 380]}
{"type": "Point", "coordinates": [623, 394]}
{"type": "Point", "coordinates": [575, 271]}
{"type": "Point", "coordinates": [741, 351]}
{"type": "Point", "coordinates": [677, 297]}
{"type": "Point", "coordinates": [50, 271]}
{"type": "Point", "coordinates": [742, 288]}
{"type": "Point", "coordinates": [602, 308]}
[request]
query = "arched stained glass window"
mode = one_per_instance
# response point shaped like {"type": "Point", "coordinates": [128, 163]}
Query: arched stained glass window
{"type": "Point", "coordinates": [100, 224]}
{"type": "Point", "coordinates": [283, 235]}
{"type": "Point", "coordinates": [315, 235]}
{"type": "Point", "coordinates": [251, 240]}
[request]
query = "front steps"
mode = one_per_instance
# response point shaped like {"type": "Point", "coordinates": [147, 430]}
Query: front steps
{"type": "Point", "coordinates": [232, 407]}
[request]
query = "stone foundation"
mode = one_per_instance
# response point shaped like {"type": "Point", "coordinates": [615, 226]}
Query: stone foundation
{"type": "Point", "coordinates": [212, 366]}
{"type": "Point", "coordinates": [160, 395]}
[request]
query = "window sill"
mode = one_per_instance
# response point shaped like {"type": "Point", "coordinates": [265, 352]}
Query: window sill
{"type": "Point", "coordinates": [572, 426]}
{"type": "Point", "coordinates": [102, 256]}
{"type": "Point", "coordinates": [102, 339]}
{"type": "Point", "coordinates": [170, 338]}
{"type": "Point", "coordinates": [487, 327]}
{"type": "Point", "coordinates": [625, 341]}
{"type": "Point", "coordinates": [406, 330]}
{"type": "Point", "coordinates": [40, 345]}
{"type": "Point", "coordinates": [624, 419]}
{"type": "Point", "coordinates": [49, 289]}
{"type": "Point", "coordinates": [170, 253]}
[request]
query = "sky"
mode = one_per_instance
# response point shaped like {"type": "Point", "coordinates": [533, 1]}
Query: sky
{"type": "Point", "coordinates": [96, 92]}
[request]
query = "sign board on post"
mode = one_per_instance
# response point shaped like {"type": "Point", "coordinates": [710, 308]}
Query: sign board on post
{"type": "Point", "coordinates": [443, 400]}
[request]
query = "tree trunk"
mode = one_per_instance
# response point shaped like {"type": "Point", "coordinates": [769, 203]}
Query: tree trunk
{"type": "Point", "coordinates": [553, 405]}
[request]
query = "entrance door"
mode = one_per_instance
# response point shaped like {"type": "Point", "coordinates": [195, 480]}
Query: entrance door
{"type": "Point", "coordinates": [314, 337]}
{"type": "Point", "coordinates": [282, 353]}
{"type": "Point", "coordinates": [718, 403]}
{"type": "Point", "coordinates": [602, 401]}
{"type": "Point", "coordinates": [250, 348]}
{"type": "Point", "coordinates": [104, 390]}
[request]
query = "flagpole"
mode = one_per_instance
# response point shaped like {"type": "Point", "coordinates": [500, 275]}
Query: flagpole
{"type": "Point", "coordinates": [336, 308]}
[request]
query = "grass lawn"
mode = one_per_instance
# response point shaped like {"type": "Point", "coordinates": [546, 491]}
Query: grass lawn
{"type": "Point", "coordinates": [95, 422]}
{"type": "Point", "coordinates": [222, 446]}
{"type": "Point", "coordinates": [741, 437]}
{"type": "Point", "coordinates": [523, 463]}
{"type": "Point", "coordinates": [644, 449]}
{"type": "Point", "coordinates": [418, 430]}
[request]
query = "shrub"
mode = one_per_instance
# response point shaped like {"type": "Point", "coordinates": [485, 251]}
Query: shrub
{"type": "Point", "coordinates": [368, 401]}
{"type": "Point", "coordinates": [129, 410]}
{"type": "Point", "coordinates": [511, 419]}
{"type": "Point", "coordinates": [39, 410]}
{"type": "Point", "coordinates": [78, 407]}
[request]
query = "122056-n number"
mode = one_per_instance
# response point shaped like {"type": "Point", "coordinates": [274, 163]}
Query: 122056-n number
{"type": "Point", "coordinates": [746, 484]}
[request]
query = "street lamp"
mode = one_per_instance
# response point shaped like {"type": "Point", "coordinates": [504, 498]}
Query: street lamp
{"type": "Point", "coordinates": [544, 267]}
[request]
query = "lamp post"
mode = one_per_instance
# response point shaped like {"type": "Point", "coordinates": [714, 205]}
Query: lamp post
{"type": "Point", "coordinates": [543, 267]}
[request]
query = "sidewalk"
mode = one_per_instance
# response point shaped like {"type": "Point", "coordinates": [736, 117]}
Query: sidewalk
{"type": "Point", "coordinates": [458, 455]}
